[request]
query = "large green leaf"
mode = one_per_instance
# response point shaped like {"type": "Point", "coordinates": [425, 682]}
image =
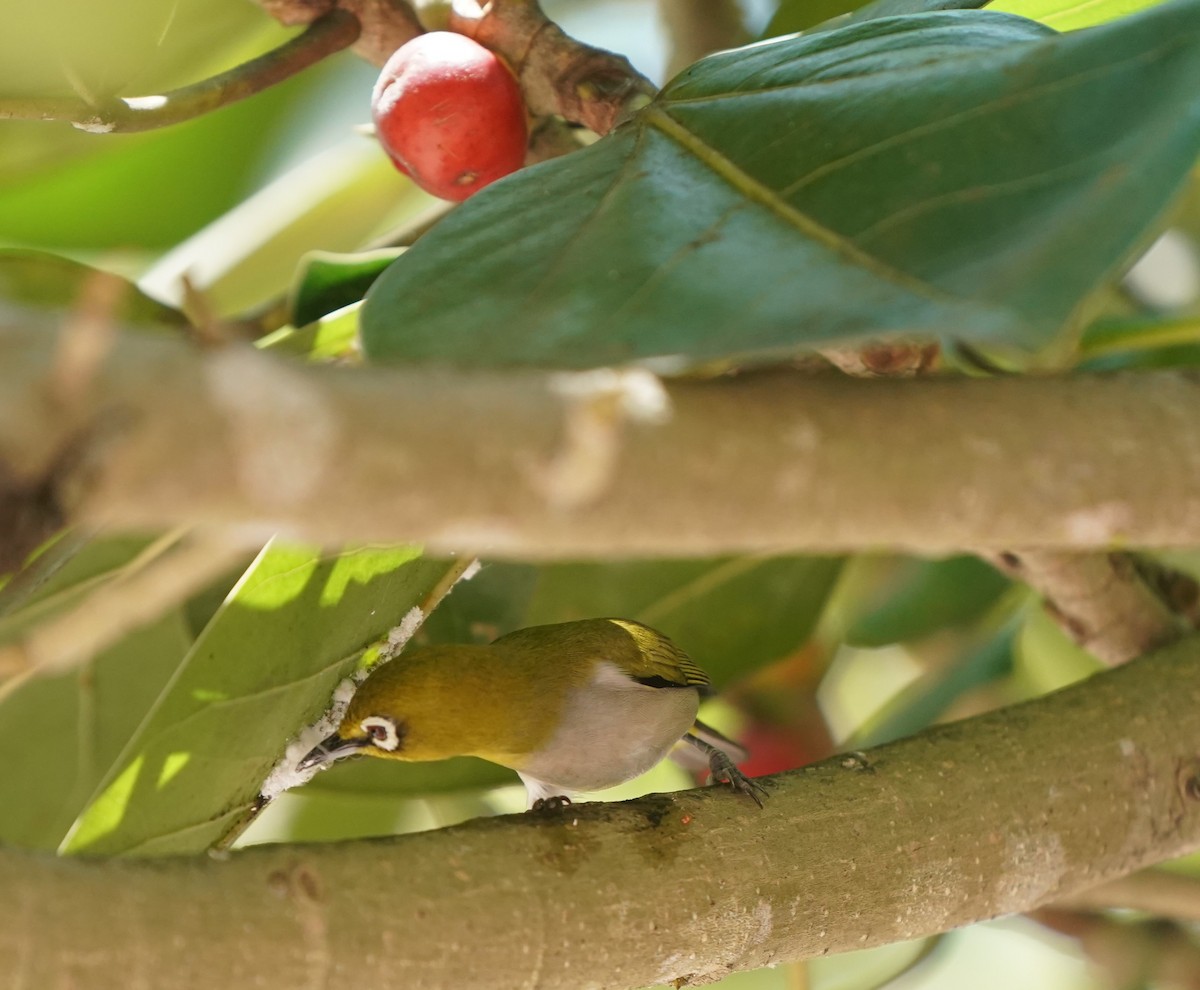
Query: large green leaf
{"type": "Point", "coordinates": [961, 173]}
{"type": "Point", "coordinates": [266, 664]}
{"type": "Point", "coordinates": [66, 730]}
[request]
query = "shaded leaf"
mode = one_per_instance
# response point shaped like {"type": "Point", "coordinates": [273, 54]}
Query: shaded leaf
{"type": "Point", "coordinates": [326, 281]}
{"type": "Point", "coordinates": [42, 280]}
{"type": "Point", "coordinates": [732, 615]}
{"type": "Point", "coordinates": [928, 596]}
{"type": "Point", "coordinates": [68, 729]}
{"type": "Point", "coordinates": [266, 664]}
{"type": "Point", "coordinates": [892, 8]}
{"type": "Point", "coordinates": [800, 15]}
{"type": "Point", "coordinates": [962, 173]}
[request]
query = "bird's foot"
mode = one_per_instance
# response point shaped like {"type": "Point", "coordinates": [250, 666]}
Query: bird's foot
{"type": "Point", "coordinates": [551, 804]}
{"type": "Point", "coordinates": [725, 772]}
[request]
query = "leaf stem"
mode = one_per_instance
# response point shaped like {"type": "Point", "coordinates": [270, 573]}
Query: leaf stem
{"type": "Point", "coordinates": [331, 33]}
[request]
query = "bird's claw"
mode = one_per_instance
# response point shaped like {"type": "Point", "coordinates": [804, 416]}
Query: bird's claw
{"type": "Point", "coordinates": [550, 804]}
{"type": "Point", "coordinates": [724, 772]}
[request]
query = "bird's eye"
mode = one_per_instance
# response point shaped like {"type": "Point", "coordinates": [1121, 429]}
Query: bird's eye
{"type": "Point", "coordinates": [381, 731]}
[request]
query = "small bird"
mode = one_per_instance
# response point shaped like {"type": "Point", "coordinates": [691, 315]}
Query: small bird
{"type": "Point", "coordinates": [574, 706]}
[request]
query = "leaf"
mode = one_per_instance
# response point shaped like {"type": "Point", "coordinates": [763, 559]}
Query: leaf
{"type": "Point", "coordinates": [69, 728]}
{"type": "Point", "coordinates": [959, 173]}
{"type": "Point", "coordinates": [928, 596]}
{"type": "Point", "coordinates": [922, 703]}
{"type": "Point", "coordinates": [801, 15]}
{"type": "Point", "coordinates": [733, 615]}
{"type": "Point", "coordinates": [326, 281]}
{"type": "Point", "coordinates": [265, 665]}
{"type": "Point", "coordinates": [885, 8]}
{"type": "Point", "coordinates": [42, 280]}
{"type": "Point", "coordinates": [1071, 15]}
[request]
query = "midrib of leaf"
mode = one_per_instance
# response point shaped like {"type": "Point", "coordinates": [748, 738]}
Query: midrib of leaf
{"type": "Point", "coordinates": [766, 197]}
{"type": "Point", "coordinates": [700, 585]}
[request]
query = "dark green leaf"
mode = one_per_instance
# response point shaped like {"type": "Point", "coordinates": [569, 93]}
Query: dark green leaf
{"type": "Point", "coordinates": [928, 596]}
{"type": "Point", "coordinates": [326, 282]}
{"type": "Point", "coordinates": [733, 615]}
{"type": "Point", "coordinates": [265, 665]}
{"type": "Point", "coordinates": [962, 173]}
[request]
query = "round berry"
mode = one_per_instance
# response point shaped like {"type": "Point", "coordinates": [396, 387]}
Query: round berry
{"type": "Point", "coordinates": [450, 114]}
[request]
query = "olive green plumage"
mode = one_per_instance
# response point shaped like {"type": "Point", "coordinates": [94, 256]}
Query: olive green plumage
{"type": "Point", "coordinates": [573, 706]}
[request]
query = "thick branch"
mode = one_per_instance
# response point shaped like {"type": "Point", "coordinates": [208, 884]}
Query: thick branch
{"type": "Point", "coordinates": [330, 34]}
{"type": "Point", "coordinates": [993, 815]}
{"type": "Point", "coordinates": [771, 462]}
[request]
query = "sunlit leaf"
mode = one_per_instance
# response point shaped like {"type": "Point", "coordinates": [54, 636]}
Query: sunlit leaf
{"type": "Point", "coordinates": [265, 665]}
{"type": "Point", "coordinates": [66, 730]}
{"type": "Point", "coordinates": [1070, 15]}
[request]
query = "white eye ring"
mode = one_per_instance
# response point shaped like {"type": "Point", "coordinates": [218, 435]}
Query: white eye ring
{"type": "Point", "coordinates": [381, 731]}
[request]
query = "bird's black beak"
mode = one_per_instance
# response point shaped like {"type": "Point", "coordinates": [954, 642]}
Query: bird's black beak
{"type": "Point", "coordinates": [333, 748]}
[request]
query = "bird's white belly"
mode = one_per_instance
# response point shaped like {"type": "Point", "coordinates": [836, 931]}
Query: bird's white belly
{"type": "Point", "coordinates": [612, 730]}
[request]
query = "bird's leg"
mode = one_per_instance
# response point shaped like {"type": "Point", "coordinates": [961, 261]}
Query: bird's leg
{"type": "Point", "coordinates": [555, 803]}
{"type": "Point", "coordinates": [724, 771]}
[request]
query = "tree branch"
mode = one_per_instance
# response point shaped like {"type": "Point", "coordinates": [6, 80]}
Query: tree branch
{"type": "Point", "coordinates": [330, 34]}
{"type": "Point", "coordinates": [1106, 602]}
{"type": "Point", "coordinates": [996, 814]}
{"type": "Point", "coordinates": [558, 74]}
{"type": "Point", "coordinates": [768, 462]}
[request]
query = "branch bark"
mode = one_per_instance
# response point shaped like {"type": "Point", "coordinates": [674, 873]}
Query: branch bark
{"type": "Point", "coordinates": [996, 814]}
{"type": "Point", "coordinates": [1109, 603]}
{"type": "Point", "coordinates": [771, 462]}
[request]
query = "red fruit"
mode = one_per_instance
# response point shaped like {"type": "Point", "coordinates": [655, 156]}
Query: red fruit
{"type": "Point", "coordinates": [450, 114]}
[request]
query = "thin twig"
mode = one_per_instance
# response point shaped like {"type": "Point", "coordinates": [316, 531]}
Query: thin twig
{"type": "Point", "coordinates": [330, 34]}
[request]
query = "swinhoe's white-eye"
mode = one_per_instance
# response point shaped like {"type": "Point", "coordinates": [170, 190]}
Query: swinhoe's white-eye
{"type": "Point", "coordinates": [576, 706]}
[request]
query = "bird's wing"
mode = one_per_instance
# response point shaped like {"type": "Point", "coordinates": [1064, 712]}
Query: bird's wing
{"type": "Point", "coordinates": [658, 662]}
